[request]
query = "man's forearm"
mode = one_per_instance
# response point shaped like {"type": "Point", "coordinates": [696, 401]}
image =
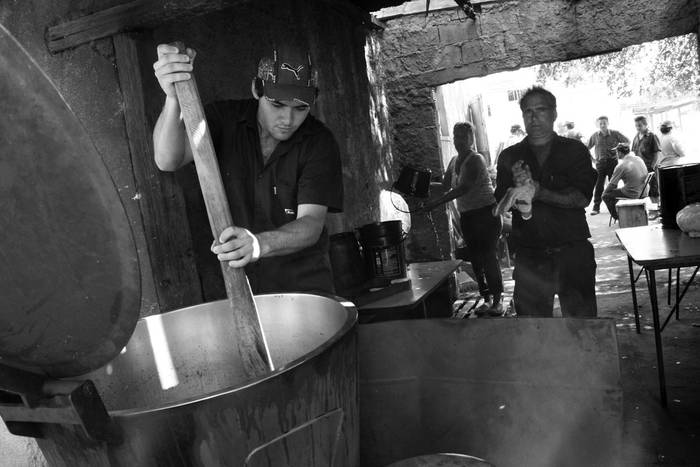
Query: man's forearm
{"type": "Point", "coordinates": [449, 196]}
{"type": "Point", "coordinates": [291, 237]}
{"type": "Point", "coordinates": [566, 198]}
{"type": "Point", "coordinates": [169, 137]}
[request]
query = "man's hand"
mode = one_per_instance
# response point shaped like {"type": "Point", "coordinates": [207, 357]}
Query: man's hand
{"type": "Point", "coordinates": [237, 246]}
{"type": "Point", "coordinates": [523, 176]}
{"type": "Point", "coordinates": [172, 67]}
{"type": "Point", "coordinates": [520, 196]}
{"type": "Point", "coordinates": [521, 173]}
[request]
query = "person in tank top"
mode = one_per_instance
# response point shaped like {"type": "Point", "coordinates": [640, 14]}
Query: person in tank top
{"type": "Point", "coordinates": [469, 184]}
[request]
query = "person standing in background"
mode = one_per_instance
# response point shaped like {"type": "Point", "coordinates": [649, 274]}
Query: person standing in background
{"type": "Point", "coordinates": [604, 141]}
{"type": "Point", "coordinates": [646, 145]}
{"type": "Point", "coordinates": [571, 132]}
{"type": "Point", "coordinates": [671, 149]}
{"type": "Point", "coordinates": [468, 181]}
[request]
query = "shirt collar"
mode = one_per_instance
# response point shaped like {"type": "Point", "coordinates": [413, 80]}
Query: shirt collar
{"type": "Point", "coordinates": [555, 137]}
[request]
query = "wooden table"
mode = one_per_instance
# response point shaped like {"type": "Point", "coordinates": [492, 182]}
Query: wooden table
{"type": "Point", "coordinates": [425, 278]}
{"type": "Point", "coordinates": [654, 248]}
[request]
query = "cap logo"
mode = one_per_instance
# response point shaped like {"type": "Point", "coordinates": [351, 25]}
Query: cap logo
{"type": "Point", "coordinates": [288, 67]}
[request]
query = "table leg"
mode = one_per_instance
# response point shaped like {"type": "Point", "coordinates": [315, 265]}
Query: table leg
{"type": "Point", "coordinates": [634, 294]}
{"type": "Point", "coordinates": [678, 297]}
{"type": "Point", "coordinates": [657, 336]}
{"type": "Point", "coordinates": [670, 286]}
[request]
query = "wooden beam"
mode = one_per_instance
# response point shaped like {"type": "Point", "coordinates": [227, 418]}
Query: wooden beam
{"type": "Point", "coordinates": [137, 14]}
{"type": "Point", "coordinates": [161, 200]}
{"type": "Point", "coordinates": [416, 7]}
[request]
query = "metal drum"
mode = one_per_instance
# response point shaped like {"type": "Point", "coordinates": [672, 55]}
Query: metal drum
{"type": "Point", "coordinates": [178, 396]}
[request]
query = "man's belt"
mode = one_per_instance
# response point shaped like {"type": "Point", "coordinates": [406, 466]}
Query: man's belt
{"type": "Point", "coordinates": [548, 250]}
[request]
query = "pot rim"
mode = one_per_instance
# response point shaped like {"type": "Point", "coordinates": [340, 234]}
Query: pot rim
{"type": "Point", "coordinates": [350, 323]}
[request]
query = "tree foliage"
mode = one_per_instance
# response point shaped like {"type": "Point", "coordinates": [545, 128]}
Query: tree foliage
{"type": "Point", "coordinates": [664, 69]}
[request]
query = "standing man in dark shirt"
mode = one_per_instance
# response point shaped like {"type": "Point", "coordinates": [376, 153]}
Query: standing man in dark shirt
{"type": "Point", "coordinates": [646, 145]}
{"type": "Point", "coordinates": [280, 166]}
{"type": "Point", "coordinates": [605, 141]}
{"type": "Point", "coordinates": [549, 180]}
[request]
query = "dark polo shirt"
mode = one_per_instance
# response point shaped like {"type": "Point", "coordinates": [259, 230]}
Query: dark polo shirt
{"type": "Point", "coordinates": [568, 166]}
{"type": "Point", "coordinates": [605, 144]}
{"type": "Point", "coordinates": [646, 147]}
{"type": "Point", "coordinates": [305, 169]}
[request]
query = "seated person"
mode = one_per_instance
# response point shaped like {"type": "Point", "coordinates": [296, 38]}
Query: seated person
{"type": "Point", "coordinates": [632, 171]}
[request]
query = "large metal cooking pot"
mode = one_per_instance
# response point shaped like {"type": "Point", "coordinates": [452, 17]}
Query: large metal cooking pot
{"type": "Point", "coordinates": [172, 384]}
{"type": "Point", "coordinates": [178, 395]}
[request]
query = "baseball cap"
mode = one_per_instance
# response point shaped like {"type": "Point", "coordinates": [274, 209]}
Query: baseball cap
{"type": "Point", "coordinates": [288, 75]}
{"type": "Point", "coordinates": [622, 147]}
{"type": "Point", "coordinates": [667, 124]}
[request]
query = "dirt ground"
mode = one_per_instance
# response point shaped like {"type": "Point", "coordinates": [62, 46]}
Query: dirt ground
{"type": "Point", "coordinates": [652, 435]}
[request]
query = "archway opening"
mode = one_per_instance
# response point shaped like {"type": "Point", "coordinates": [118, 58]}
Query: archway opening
{"type": "Point", "coordinates": [658, 79]}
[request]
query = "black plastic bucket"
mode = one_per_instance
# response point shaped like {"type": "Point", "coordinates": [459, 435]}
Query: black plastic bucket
{"type": "Point", "coordinates": [384, 251]}
{"type": "Point", "coordinates": [413, 181]}
{"type": "Point", "coordinates": [347, 263]}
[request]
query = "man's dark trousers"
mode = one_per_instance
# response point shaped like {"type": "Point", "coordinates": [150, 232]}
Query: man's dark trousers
{"type": "Point", "coordinates": [605, 168]}
{"type": "Point", "coordinates": [568, 271]}
{"type": "Point", "coordinates": [610, 199]}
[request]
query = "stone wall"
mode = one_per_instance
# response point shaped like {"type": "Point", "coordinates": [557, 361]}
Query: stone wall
{"type": "Point", "coordinates": [420, 52]}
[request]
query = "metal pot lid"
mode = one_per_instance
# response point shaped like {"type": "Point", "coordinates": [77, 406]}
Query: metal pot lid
{"type": "Point", "coordinates": [69, 276]}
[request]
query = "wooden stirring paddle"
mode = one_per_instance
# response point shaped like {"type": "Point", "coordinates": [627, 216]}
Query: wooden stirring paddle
{"type": "Point", "coordinates": [250, 339]}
